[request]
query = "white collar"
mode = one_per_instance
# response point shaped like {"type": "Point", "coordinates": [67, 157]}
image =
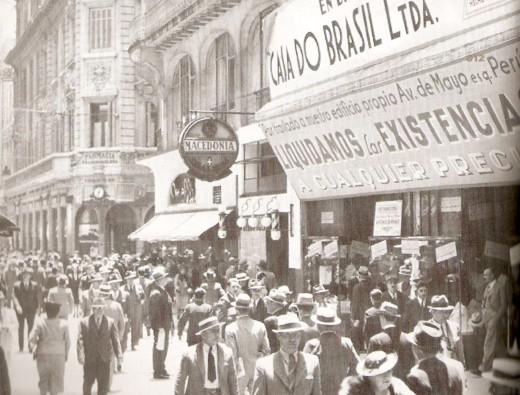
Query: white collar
{"type": "Point", "coordinates": [285, 356]}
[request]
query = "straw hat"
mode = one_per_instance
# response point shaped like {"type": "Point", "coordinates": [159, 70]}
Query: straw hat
{"type": "Point", "coordinates": [276, 296]}
{"type": "Point", "coordinates": [376, 363]}
{"type": "Point", "coordinates": [440, 303]}
{"type": "Point", "coordinates": [288, 323]}
{"type": "Point", "coordinates": [243, 302]}
{"type": "Point", "coordinates": [326, 316]}
{"type": "Point", "coordinates": [389, 309]}
{"type": "Point", "coordinates": [363, 273]}
{"type": "Point", "coordinates": [426, 335]}
{"type": "Point", "coordinates": [304, 299]}
{"type": "Point", "coordinates": [505, 372]}
{"type": "Point", "coordinates": [319, 290]}
{"type": "Point", "coordinates": [207, 324]}
{"type": "Point", "coordinates": [158, 273]}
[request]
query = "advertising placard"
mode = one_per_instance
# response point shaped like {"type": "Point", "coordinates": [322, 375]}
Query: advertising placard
{"type": "Point", "coordinates": [452, 125]}
{"type": "Point", "coordinates": [451, 204]}
{"type": "Point", "coordinates": [378, 249]}
{"type": "Point", "coordinates": [446, 252]}
{"type": "Point", "coordinates": [388, 218]}
{"type": "Point", "coordinates": [360, 248]}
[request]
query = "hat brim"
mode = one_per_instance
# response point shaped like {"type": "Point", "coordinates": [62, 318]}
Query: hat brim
{"type": "Point", "coordinates": [132, 277]}
{"type": "Point", "coordinates": [383, 368]}
{"type": "Point", "coordinates": [321, 292]}
{"type": "Point", "coordinates": [114, 281]}
{"type": "Point", "coordinates": [208, 328]}
{"type": "Point", "coordinates": [447, 308]}
{"type": "Point", "coordinates": [316, 320]}
{"type": "Point", "coordinates": [269, 299]}
{"type": "Point", "coordinates": [290, 330]}
{"type": "Point", "coordinates": [304, 304]}
{"type": "Point", "coordinates": [510, 383]}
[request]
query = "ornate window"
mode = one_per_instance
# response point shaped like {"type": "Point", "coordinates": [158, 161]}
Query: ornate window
{"type": "Point", "coordinates": [100, 28]}
{"type": "Point", "coordinates": [221, 74]}
{"type": "Point", "coordinates": [183, 80]}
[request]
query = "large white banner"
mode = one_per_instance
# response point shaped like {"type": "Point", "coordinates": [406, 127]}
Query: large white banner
{"type": "Point", "coordinates": [317, 40]}
{"type": "Point", "coordinates": [448, 126]}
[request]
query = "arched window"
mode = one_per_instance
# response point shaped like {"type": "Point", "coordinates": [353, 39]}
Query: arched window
{"type": "Point", "coordinates": [221, 74]}
{"type": "Point", "coordinates": [183, 80]}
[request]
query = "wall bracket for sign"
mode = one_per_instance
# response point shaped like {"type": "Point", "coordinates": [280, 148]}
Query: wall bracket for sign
{"type": "Point", "coordinates": [221, 112]}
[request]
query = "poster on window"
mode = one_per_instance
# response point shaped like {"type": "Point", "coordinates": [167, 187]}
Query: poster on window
{"type": "Point", "coordinates": [387, 218]}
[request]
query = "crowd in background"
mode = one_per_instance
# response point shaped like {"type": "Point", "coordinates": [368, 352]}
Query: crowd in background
{"type": "Point", "coordinates": [392, 336]}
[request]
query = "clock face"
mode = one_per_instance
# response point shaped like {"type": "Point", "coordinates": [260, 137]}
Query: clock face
{"type": "Point", "coordinates": [99, 192]}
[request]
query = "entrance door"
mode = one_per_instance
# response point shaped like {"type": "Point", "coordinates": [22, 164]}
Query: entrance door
{"type": "Point", "coordinates": [120, 222]}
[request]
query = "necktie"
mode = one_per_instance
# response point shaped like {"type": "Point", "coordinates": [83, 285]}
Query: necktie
{"type": "Point", "coordinates": [98, 322]}
{"type": "Point", "coordinates": [212, 373]}
{"type": "Point", "coordinates": [446, 335]}
{"type": "Point", "coordinates": [292, 369]}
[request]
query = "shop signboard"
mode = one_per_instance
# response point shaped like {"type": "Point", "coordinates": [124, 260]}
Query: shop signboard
{"type": "Point", "coordinates": [451, 204]}
{"type": "Point", "coordinates": [315, 41]}
{"type": "Point", "coordinates": [327, 217]}
{"type": "Point", "coordinates": [514, 254]}
{"type": "Point", "coordinates": [411, 246]}
{"type": "Point", "coordinates": [378, 249]}
{"type": "Point", "coordinates": [449, 125]}
{"type": "Point", "coordinates": [388, 218]}
{"type": "Point", "coordinates": [445, 252]}
{"type": "Point", "coordinates": [209, 147]}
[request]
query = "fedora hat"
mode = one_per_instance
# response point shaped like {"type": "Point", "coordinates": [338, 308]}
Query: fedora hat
{"type": "Point", "coordinates": [389, 309]}
{"type": "Point", "coordinates": [405, 271]}
{"type": "Point", "coordinates": [363, 273]}
{"type": "Point", "coordinates": [208, 323]}
{"type": "Point", "coordinates": [243, 302]}
{"type": "Point", "coordinates": [241, 277]}
{"type": "Point", "coordinates": [326, 316]}
{"type": "Point", "coordinates": [285, 289]}
{"type": "Point", "coordinates": [319, 290]}
{"type": "Point", "coordinates": [199, 293]}
{"type": "Point", "coordinates": [98, 302]}
{"type": "Point", "coordinates": [158, 273]}
{"type": "Point", "coordinates": [426, 335]}
{"type": "Point", "coordinates": [276, 296]}
{"type": "Point", "coordinates": [476, 319]}
{"type": "Point", "coordinates": [304, 299]}
{"type": "Point", "coordinates": [440, 303]}
{"type": "Point", "coordinates": [288, 323]}
{"type": "Point", "coordinates": [376, 363]}
{"type": "Point", "coordinates": [505, 372]}
{"type": "Point", "coordinates": [255, 285]}
{"type": "Point", "coordinates": [209, 274]}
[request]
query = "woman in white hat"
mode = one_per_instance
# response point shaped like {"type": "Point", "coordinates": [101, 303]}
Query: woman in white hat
{"type": "Point", "coordinates": [375, 377]}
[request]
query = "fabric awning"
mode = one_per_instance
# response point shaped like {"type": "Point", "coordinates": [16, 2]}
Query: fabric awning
{"type": "Point", "coordinates": [176, 226]}
{"type": "Point", "coordinates": [7, 227]}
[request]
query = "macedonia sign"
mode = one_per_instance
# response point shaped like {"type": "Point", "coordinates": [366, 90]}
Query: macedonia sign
{"type": "Point", "coordinates": [209, 147]}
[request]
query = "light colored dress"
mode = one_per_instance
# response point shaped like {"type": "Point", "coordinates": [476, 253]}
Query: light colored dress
{"type": "Point", "coordinates": [8, 328]}
{"type": "Point", "coordinates": [50, 342]}
{"type": "Point", "coordinates": [65, 298]}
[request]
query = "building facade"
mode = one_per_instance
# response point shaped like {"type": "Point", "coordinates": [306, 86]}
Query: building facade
{"type": "Point", "coordinates": [207, 58]}
{"type": "Point", "coordinates": [74, 184]}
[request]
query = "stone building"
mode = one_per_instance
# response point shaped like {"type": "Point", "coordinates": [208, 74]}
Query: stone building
{"type": "Point", "coordinates": [74, 184]}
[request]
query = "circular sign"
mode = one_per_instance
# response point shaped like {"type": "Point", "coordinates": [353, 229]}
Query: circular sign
{"type": "Point", "coordinates": [209, 147]}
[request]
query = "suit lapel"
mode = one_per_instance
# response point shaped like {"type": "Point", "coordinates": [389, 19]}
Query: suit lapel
{"type": "Point", "coordinates": [279, 370]}
{"type": "Point", "coordinates": [220, 365]}
{"type": "Point", "coordinates": [301, 369]}
{"type": "Point", "coordinates": [200, 361]}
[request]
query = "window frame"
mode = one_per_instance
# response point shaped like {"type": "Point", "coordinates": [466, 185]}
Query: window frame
{"type": "Point", "coordinates": [106, 137]}
{"type": "Point", "coordinates": [104, 39]}
{"type": "Point", "coordinates": [183, 79]}
{"type": "Point", "coordinates": [260, 160]}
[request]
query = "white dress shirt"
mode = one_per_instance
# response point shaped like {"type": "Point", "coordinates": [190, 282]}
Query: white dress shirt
{"type": "Point", "coordinates": [208, 384]}
{"type": "Point", "coordinates": [285, 358]}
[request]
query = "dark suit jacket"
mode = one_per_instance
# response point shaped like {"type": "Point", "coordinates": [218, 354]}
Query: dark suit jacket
{"type": "Point", "coordinates": [360, 300]}
{"type": "Point", "coordinates": [259, 312]}
{"type": "Point", "coordinates": [27, 297]}
{"type": "Point", "coordinates": [190, 380]}
{"type": "Point", "coordinates": [413, 313]}
{"type": "Point", "coordinates": [437, 376]}
{"type": "Point", "coordinates": [399, 301]}
{"type": "Point", "coordinates": [392, 340]}
{"type": "Point", "coordinates": [160, 307]}
{"type": "Point", "coordinates": [372, 323]}
{"type": "Point", "coordinates": [271, 323]}
{"type": "Point", "coordinates": [99, 343]}
{"type": "Point", "coordinates": [193, 314]}
{"type": "Point", "coordinates": [271, 377]}
{"type": "Point", "coordinates": [5, 386]}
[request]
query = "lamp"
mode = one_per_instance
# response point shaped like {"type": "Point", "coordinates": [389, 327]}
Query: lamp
{"type": "Point", "coordinates": [241, 222]}
{"type": "Point", "coordinates": [252, 221]}
{"type": "Point", "coordinates": [266, 221]}
{"type": "Point", "coordinates": [222, 232]}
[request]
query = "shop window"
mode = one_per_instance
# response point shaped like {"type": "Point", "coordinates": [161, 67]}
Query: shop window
{"type": "Point", "coordinates": [99, 125]}
{"type": "Point", "coordinates": [100, 28]}
{"type": "Point", "coordinates": [221, 75]}
{"type": "Point", "coordinates": [183, 82]}
{"type": "Point", "coordinates": [262, 171]}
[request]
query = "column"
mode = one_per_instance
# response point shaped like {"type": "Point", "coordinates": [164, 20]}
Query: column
{"type": "Point", "coordinates": [51, 233]}
{"type": "Point", "coordinates": [59, 215]}
{"type": "Point", "coordinates": [43, 228]}
{"type": "Point", "coordinates": [70, 232]}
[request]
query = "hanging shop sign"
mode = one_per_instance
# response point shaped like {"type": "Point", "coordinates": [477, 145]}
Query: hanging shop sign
{"type": "Point", "coordinates": [445, 252]}
{"type": "Point", "coordinates": [378, 249]}
{"type": "Point", "coordinates": [387, 218]}
{"type": "Point", "coordinates": [453, 125]}
{"type": "Point", "coordinates": [317, 40]}
{"type": "Point", "coordinates": [209, 147]}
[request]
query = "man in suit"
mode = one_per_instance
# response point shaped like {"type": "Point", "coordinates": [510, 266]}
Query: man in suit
{"type": "Point", "coordinates": [392, 340]}
{"type": "Point", "coordinates": [207, 367]}
{"type": "Point", "coordinates": [268, 276]}
{"type": "Point", "coordinates": [451, 343]}
{"type": "Point", "coordinates": [416, 309]}
{"type": "Point", "coordinates": [98, 342]}
{"type": "Point", "coordinates": [305, 305]}
{"type": "Point", "coordinates": [258, 310]}
{"type": "Point", "coordinates": [288, 371]}
{"type": "Point", "coordinates": [337, 355]}
{"type": "Point", "coordinates": [360, 304]}
{"type": "Point", "coordinates": [134, 308]}
{"type": "Point", "coordinates": [26, 303]}
{"type": "Point", "coordinates": [433, 373]}
{"type": "Point", "coordinates": [276, 306]}
{"type": "Point", "coordinates": [392, 294]}
{"type": "Point", "coordinates": [494, 305]}
{"type": "Point", "coordinates": [372, 325]}
{"type": "Point", "coordinates": [160, 318]}
{"type": "Point", "coordinates": [194, 313]}
{"type": "Point", "coordinates": [247, 339]}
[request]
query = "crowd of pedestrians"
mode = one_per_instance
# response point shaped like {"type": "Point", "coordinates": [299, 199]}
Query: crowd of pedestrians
{"type": "Point", "coordinates": [247, 334]}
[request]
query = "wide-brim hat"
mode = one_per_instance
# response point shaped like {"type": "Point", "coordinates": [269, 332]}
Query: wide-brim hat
{"type": "Point", "coordinates": [426, 335]}
{"type": "Point", "coordinates": [243, 302]}
{"type": "Point", "coordinates": [363, 272]}
{"type": "Point", "coordinates": [208, 323]}
{"type": "Point", "coordinates": [476, 319]}
{"type": "Point", "coordinates": [376, 363]}
{"type": "Point", "coordinates": [326, 316]}
{"type": "Point", "coordinates": [276, 297]}
{"type": "Point", "coordinates": [288, 323]}
{"type": "Point", "coordinates": [255, 285]}
{"type": "Point", "coordinates": [304, 299]}
{"type": "Point", "coordinates": [159, 273]}
{"type": "Point", "coordinates": [319, 290]}
{"type": "Point", "coordinates": [389, 309]}
{"type": "Point", "coordinates": [285, 289]}
{"type": "Point", "coordinates": [440, 303]}
{"type": "Point", "coordinates": [241, 277]}
{"type": "Point", "coordinates": [98, 302]}
{"type": "Point", "coordinates": [209, 274]}
{"type": "Point", "coordinates": [505, 372]}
